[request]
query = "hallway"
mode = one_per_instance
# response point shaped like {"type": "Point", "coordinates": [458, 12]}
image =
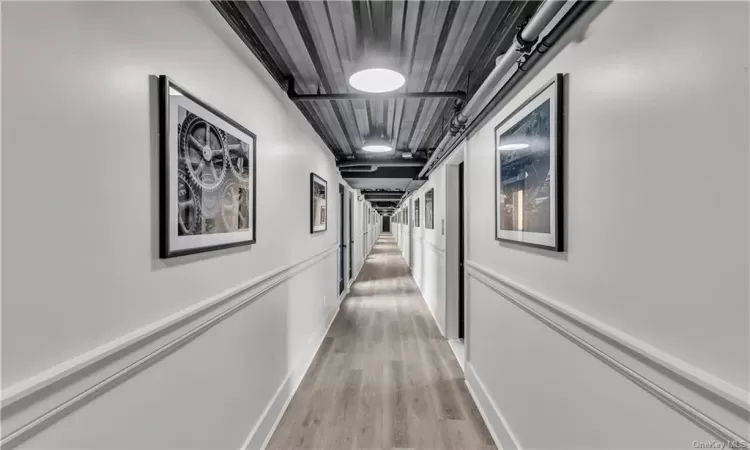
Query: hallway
{"type": "Point", "coordinates": [383, 376]}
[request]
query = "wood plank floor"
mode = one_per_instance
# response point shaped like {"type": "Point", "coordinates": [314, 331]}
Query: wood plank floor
{"type": "Point", "coordinates": [383, 377]}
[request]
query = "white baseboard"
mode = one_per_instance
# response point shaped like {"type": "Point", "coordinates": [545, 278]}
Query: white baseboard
{"type": "Point", "coordinates": [429, 308]}
{"type": "Point", "coordinates": [459, 351]}
{"type": "Point", "coordinates": [354, 277]}
{"type": "Point", "coordinates": [269, 420]}
{"type": "Point", "coordinates": [493, 418]}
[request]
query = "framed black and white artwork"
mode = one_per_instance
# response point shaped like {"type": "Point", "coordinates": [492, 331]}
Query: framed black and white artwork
{"type": "Point", "coordinates": [429, 209]}
{"type": "Point", "coordinates": [318, 204]}
{"type": "Point", "coordinates": [529, 171]}
{"type": "Point", "coordinates": [416, 212]}
{"type": "Point", "coordinates": [207, 179]}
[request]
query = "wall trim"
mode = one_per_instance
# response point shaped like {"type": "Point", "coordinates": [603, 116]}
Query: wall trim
{"type": "Point", "coordinates": [361, 266]}
{"type": "Point", "coordinates": [489, 411]}
{"type": "Point", "coordinates": [433, 313]}
{"type": "Point", "coordinates": [257, 439]}
{"type": "Point", "coordinates": [429, 308]}
{"type": "Point", "coordinates": [523, 298]}
{"type": "Point", "coordinates": [355, 275]}
{"type": "Point", "coordinates": [67, 370]}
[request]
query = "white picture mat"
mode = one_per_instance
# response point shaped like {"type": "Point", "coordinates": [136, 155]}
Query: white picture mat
{"type": "Point", "coordinates": [545, 239]}
{"type": "Point", "coordinates": [322, 182]}
{"type": "Point", "coordinates": [177, 242]}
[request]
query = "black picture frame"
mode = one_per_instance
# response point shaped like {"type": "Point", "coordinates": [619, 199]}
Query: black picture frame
{"type": "Point", "coordinates": [416, 213]}
{"type": "Point", "coordinates": [320, 180]}
{"type": "Point", "coordinates": [429, 209]}
{"type": "Point", "coordinates": [171, 238]}
{"type": "Point", "coordinates": [554, 92]}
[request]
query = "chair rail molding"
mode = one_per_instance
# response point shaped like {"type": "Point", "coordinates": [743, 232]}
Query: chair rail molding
{"type": "Point", "coordinates": [693, 393]}
{"type": "Point", "coordinates": [32, 403]}
{"type": "Point", "coordinates": [434, 246]}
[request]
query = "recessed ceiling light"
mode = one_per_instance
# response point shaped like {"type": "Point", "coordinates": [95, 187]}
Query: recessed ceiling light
{"type": "Point", "coordinates": [377, 80]}
{"type": "Point", "coordinates": [406, 155]}
{"type": "Point", "coordinates": [513, 147]}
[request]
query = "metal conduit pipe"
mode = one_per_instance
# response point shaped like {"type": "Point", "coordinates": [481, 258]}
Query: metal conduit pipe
{"type": "Point", "coordinates": [460, 95]}
{"type": "Point", "coordinates": [362, 168]}
{"type": "Point", "coordinates": [523, 43]}
{"type": "Point", "coordinates": [365, 167]}
{"type": "Point", "coordinates": [381, 164]}
{"type": "Point", "coordinates": [570, 17]}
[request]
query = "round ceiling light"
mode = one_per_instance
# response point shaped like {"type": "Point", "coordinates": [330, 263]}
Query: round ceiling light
{"type": "Point", "coordinates": [377, 80]}
{"type": "Point", "coordinates": [377, 148]}
{"type": "Point", "coordinates": [375, 145]}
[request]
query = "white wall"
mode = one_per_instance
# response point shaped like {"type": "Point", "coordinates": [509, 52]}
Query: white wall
{"type": "Point", "coordinates": [428, 264]}
{"type": "Point", "coordinates": [656, 199]}
{"type": "Point", "coordinates": [80, 234]}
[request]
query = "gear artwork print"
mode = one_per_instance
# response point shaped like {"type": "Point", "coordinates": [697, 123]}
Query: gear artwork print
{"type": "Point", "coordinates": [214, 178]}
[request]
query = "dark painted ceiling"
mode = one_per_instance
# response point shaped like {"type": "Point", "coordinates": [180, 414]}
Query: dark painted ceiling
{"type": "Point", "coordinates": [438, 45]}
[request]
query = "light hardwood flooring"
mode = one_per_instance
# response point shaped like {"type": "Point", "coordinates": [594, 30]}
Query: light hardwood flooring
{"type": "Point", "coordinates": [383, 376]}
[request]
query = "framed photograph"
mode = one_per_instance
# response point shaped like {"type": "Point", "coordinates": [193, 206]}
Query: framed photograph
{"type": "Point", "coordinates": [207, 179]}
{"type": "Point", "coordinates": [429, 209]}
{"type": "Point", "coordinates": [318, 204]}
{"type": "Point", "coordinates": [529, 171]}
{"type": "Point", "coordinates": [416, 212]}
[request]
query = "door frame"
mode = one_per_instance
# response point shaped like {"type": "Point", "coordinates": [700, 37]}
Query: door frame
{"type": "Point", "coordinates": [350, 236]}
{"type": "Point", "coordinates": [342, 242]}
{"type": "Point", "coordinates": [461, 307]}
{"type": "Point", "coordinates": [453, 245]}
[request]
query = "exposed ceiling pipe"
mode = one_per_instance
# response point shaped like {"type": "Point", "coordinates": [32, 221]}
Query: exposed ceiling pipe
{"type": "Point", "coordinates": [385, 163]}
{"type": "Point", "coordinates": [359, 168]}
{"type": "Point", "coordinates": [524, 42]}
{"type": "Point", "coordinates": [294, 96]}
{"type": "Point", "coordinates": [560, 28]}
{"type": "Point", "coordinates": [460, 95]}
{"type": "Point", "coordinates": [354, 166]}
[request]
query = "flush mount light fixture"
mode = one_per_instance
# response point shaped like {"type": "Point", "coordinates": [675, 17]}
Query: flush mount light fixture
{"type": "Point", "coordinates": [377, 80]}
{"type": "Point", "coordinates": [513, 147]}
{"type": "Point", "coordinates": [377, 146]}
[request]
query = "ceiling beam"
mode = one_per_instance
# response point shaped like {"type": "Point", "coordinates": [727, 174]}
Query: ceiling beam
{"type": "Point", "coordinates": [377, 198]}
{"type": "Point", "coordinates": [460, 95]}
{"type": "Point", "coordinates": [385, 172]}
